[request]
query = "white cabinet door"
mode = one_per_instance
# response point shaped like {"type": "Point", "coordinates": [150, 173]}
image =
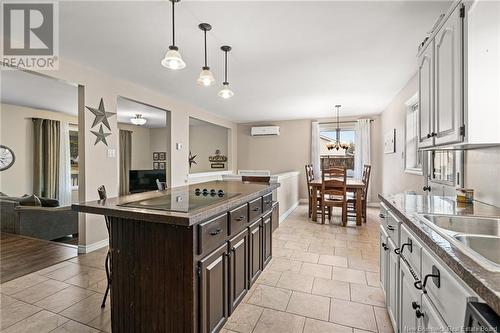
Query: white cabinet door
{"type": "Point", "coordinates": [448, 115]}
{"type": "Point", "coordinates": [431, 320]}
{"type": "Point", "coordinates": [393, 284]}
{"type": "Point", "coordinates": [384, 261]}
{"type": "Point", "coordinates": [426, 96]}
{"type": "Point", "coordinates": [409, 301]}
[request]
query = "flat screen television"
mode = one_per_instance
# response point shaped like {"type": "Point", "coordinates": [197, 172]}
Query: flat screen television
{"type": "Point", "coordinates": [145, 180]}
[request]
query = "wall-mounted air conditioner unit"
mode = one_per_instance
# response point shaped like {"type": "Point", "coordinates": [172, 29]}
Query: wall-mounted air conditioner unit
{"type": "Point", "coordinates": [265, 130]}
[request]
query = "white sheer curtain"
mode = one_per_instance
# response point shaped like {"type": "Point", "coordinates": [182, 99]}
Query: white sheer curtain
{"type": "Point", "coordinates": [64, 167]}
{"type": "Point", "coordinates": [315, 149]}
{"type": "Point", "coordinates": [362, 147]}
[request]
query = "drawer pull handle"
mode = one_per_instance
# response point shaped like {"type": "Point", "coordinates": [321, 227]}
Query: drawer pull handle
{"type": "Point", "coordinates": [215, 232]}
{"type": "Point", "coordinates": [256, 209]}
{"type": "Point", "coordinates": [436, 278]}
{"type": "Point", "coordinates": [241, 218]}
{"type": "Point", "coordinates": [418, 285]}
{"type": "Point", "coordinates": [384, 245]}
{"type": "Point", "coordinates": [382, 216]}
{"type": "Point", "coordinates": [409, 244]}
{"type": "Point", "coordinates": [390, 227]}
{"type": "Point", "coordinates": [418, 313]}
{"type": "Point", "coordinates": [267, 202]}
{"type": "Point", "coordinates": [415, 305]}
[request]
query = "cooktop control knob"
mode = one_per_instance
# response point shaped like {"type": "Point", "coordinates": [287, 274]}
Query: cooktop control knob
{"type": "Point", "coordinates": [197, 191]}
{"type": "Point", "coordinates": [205, 191]}
{"type": "Point", "coordinates": [220, 193]}
{"type": "Point", "coordinates": [213, 192]}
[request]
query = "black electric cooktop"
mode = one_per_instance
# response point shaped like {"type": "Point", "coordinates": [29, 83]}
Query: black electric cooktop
{"type": "Point", "coordinates": [183, 201]}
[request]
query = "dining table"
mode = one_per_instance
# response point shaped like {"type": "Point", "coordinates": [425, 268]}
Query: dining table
{"type": "Point", "coordinates": [353, 185]}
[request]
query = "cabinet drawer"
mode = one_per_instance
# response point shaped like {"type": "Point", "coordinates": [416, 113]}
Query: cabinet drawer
{"type": "Point", "coordinates": [238, 219]}
{"type": "Point", "coordinates": [212, 233]}
{"type": "Point", "coordinates": [392, 227]}
{"type": "Point", "coordinates": [267, 202]}
{"type": "Point", "coordinates": [450, 298]}
{"type": "Point", "coordinates": [412, 251]}
{"type": "Point", "coordinates": [254, 209]}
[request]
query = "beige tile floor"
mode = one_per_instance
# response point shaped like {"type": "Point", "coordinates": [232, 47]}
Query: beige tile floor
{"type": "Point", "coordinates": [322, 278]}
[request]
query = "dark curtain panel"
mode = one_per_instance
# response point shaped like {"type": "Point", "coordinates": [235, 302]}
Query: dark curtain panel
{"type": "Point", "coordinates": [47, 152]}
{"type": "Point", "coordinates": [125, 142]}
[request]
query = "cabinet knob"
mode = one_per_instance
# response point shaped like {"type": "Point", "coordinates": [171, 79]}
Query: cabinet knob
{"type": "Point", "coordinates": [384, 246]}
{"type": "Point", "coordinates": [382, 216]}
{"type": "Point", "coordinates": [419, 313]}
{"type": "Point", "coordinates": [390, 227]}
{"type": "Point", "coordinates": [415, 305]}
{"type": "Point", "coordinates": [428, 136]}
{"type": "Point", "coordinates": [215, 232]}
{"type": "Point", "coordinates": [426, 188]}
{"type": "Point", "coordinates": [256, 209]}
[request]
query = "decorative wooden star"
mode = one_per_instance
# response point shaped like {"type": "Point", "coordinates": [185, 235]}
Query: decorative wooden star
{"type": "Point", "coordinates": [191, 160]}
{"type": "Point", "coordinates": [100, 136]}
{"type": "Point", "coordinates": [101, 116]}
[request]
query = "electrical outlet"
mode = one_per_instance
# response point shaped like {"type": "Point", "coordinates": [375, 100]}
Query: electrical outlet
{"type": "Point", "coordinates": [178, 146]}
{"type": "Point", "coordinates": [111, 153]}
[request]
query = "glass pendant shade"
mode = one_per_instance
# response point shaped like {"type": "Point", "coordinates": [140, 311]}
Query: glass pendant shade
{"type": "Point", "coordinates": [226, 92]}
{"type": "Point", "coordinates": [138, 120]}
{"type": "Point", "coordinates": [173, 60]}
{"type": "Point", "coordinates": [206, 77]}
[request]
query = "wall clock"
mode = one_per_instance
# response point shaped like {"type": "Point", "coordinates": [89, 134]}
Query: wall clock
{"type": "Point", "coordinates": [7, 157]}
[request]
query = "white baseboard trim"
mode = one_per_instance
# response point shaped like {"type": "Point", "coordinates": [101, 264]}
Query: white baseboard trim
{"type": "Point", "coordinates": [288, 212]}
{"type": "Point", "coordinates": [92, 247]}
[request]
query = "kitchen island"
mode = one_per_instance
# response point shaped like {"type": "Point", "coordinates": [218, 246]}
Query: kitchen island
{"type": "Point", "coordinates": [182, 259]}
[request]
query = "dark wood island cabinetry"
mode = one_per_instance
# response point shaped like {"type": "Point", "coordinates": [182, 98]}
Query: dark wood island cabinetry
{"type": "Point", "coordinates": [181, 259]}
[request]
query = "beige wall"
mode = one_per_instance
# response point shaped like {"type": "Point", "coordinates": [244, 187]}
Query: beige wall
{"type": "Point", "coordinates": [290, 151]}
{"type": "Point", "coordinates": [394, 178]}
{"type": "Point", "coordinates": [16, 132]}
{"type": "Point", "coordinates": [287, 152]}
{"type": "Point", "coordinates": [203, 141]}
{"type": "Point", "coordinates": [99, 169]}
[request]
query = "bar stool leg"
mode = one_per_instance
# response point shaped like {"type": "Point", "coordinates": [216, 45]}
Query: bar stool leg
{"type": "Point", "coordinates": [108, 277]}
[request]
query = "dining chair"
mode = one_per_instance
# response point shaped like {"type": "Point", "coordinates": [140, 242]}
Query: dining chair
{"type": "Point", "coordinates": [101, 190]}
{"type": "Point", "coordinates": [351, 200]}
{"type": "Point", "coordinates": [309, 178]}
{"type": "Point", "coordinates": [333, 193]}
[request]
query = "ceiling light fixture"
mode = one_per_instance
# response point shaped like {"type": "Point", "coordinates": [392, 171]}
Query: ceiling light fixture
{"type": "Point", "coordinates": [337, 144]}
{"type": "Point", "coordinates": [225, 92]}
{"type": "Point", "coordinates": [206, 77]}
{"type": "Point", "coordinates": [138, 120]}
{"type": "Point", "coordinates": [173, 59]}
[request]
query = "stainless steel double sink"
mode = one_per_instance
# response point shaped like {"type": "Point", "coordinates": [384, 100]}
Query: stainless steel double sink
{"type": "Point", "coordinates": [479, 236]}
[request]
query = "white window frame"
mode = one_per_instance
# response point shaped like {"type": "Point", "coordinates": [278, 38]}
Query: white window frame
{"type": "Point", "coordinates": [409, 108]}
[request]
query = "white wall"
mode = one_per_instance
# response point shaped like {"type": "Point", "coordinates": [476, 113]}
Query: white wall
{"type": "Point", "coordinates": [394, 178]}
{"type": "Point", "coordinates": [482, 173]}
{"type": "Point", "coordinates": [16, 132]}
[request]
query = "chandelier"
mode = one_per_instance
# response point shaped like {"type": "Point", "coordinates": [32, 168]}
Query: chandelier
{"type": "Point", "coordinates": [337, 145]}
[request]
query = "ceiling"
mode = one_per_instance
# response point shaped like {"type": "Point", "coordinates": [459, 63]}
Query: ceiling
{"type": "Point", "coordinates": [290, 59]}
{"type": "Point", "coordinates": [126, 109]}
{"type": "Point", "coordinates": [39, 92]}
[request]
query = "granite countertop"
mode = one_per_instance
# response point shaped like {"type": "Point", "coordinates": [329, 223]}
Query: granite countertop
{"type": "Point", "coordinates": [484, 282]}
{"type": "Point", "coordinates": [113, 206]}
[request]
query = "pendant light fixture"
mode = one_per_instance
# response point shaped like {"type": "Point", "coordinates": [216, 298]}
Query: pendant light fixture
{"type": "Point", "coordinates": [138, 120]}
{"type": "Point", "coordinates": [225, 92]}
{"type": "Point", "coordinates": [173, 59]}
{"type": "Point", "coordinates": [206, 77]}
{"type": "Point", "coordinates": [337, 144]}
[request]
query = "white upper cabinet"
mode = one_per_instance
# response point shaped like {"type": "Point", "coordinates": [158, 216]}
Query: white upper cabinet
{"type": "Point", "coordinates": [425, 96]}
{"type": "Point", "coordinates": [448, 115]}
{"type": "Point", "coordinates": [459, 78]}
{"type": "Point", "coordinates": [482, 63]}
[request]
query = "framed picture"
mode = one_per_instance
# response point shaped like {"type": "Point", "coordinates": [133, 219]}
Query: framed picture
{"type": "Point", "coordinates": [217, 165]}
{"type": "Point", "coordinates": [390, 142]}
{"type": "Point", "coordinates": [162, 156]}
{"type": "Point", "coordinates": [156, 165]}
{"type": "Point", "coordinates": [156, 156]}
{"type": "Point", "coordinates": [162, 165]}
